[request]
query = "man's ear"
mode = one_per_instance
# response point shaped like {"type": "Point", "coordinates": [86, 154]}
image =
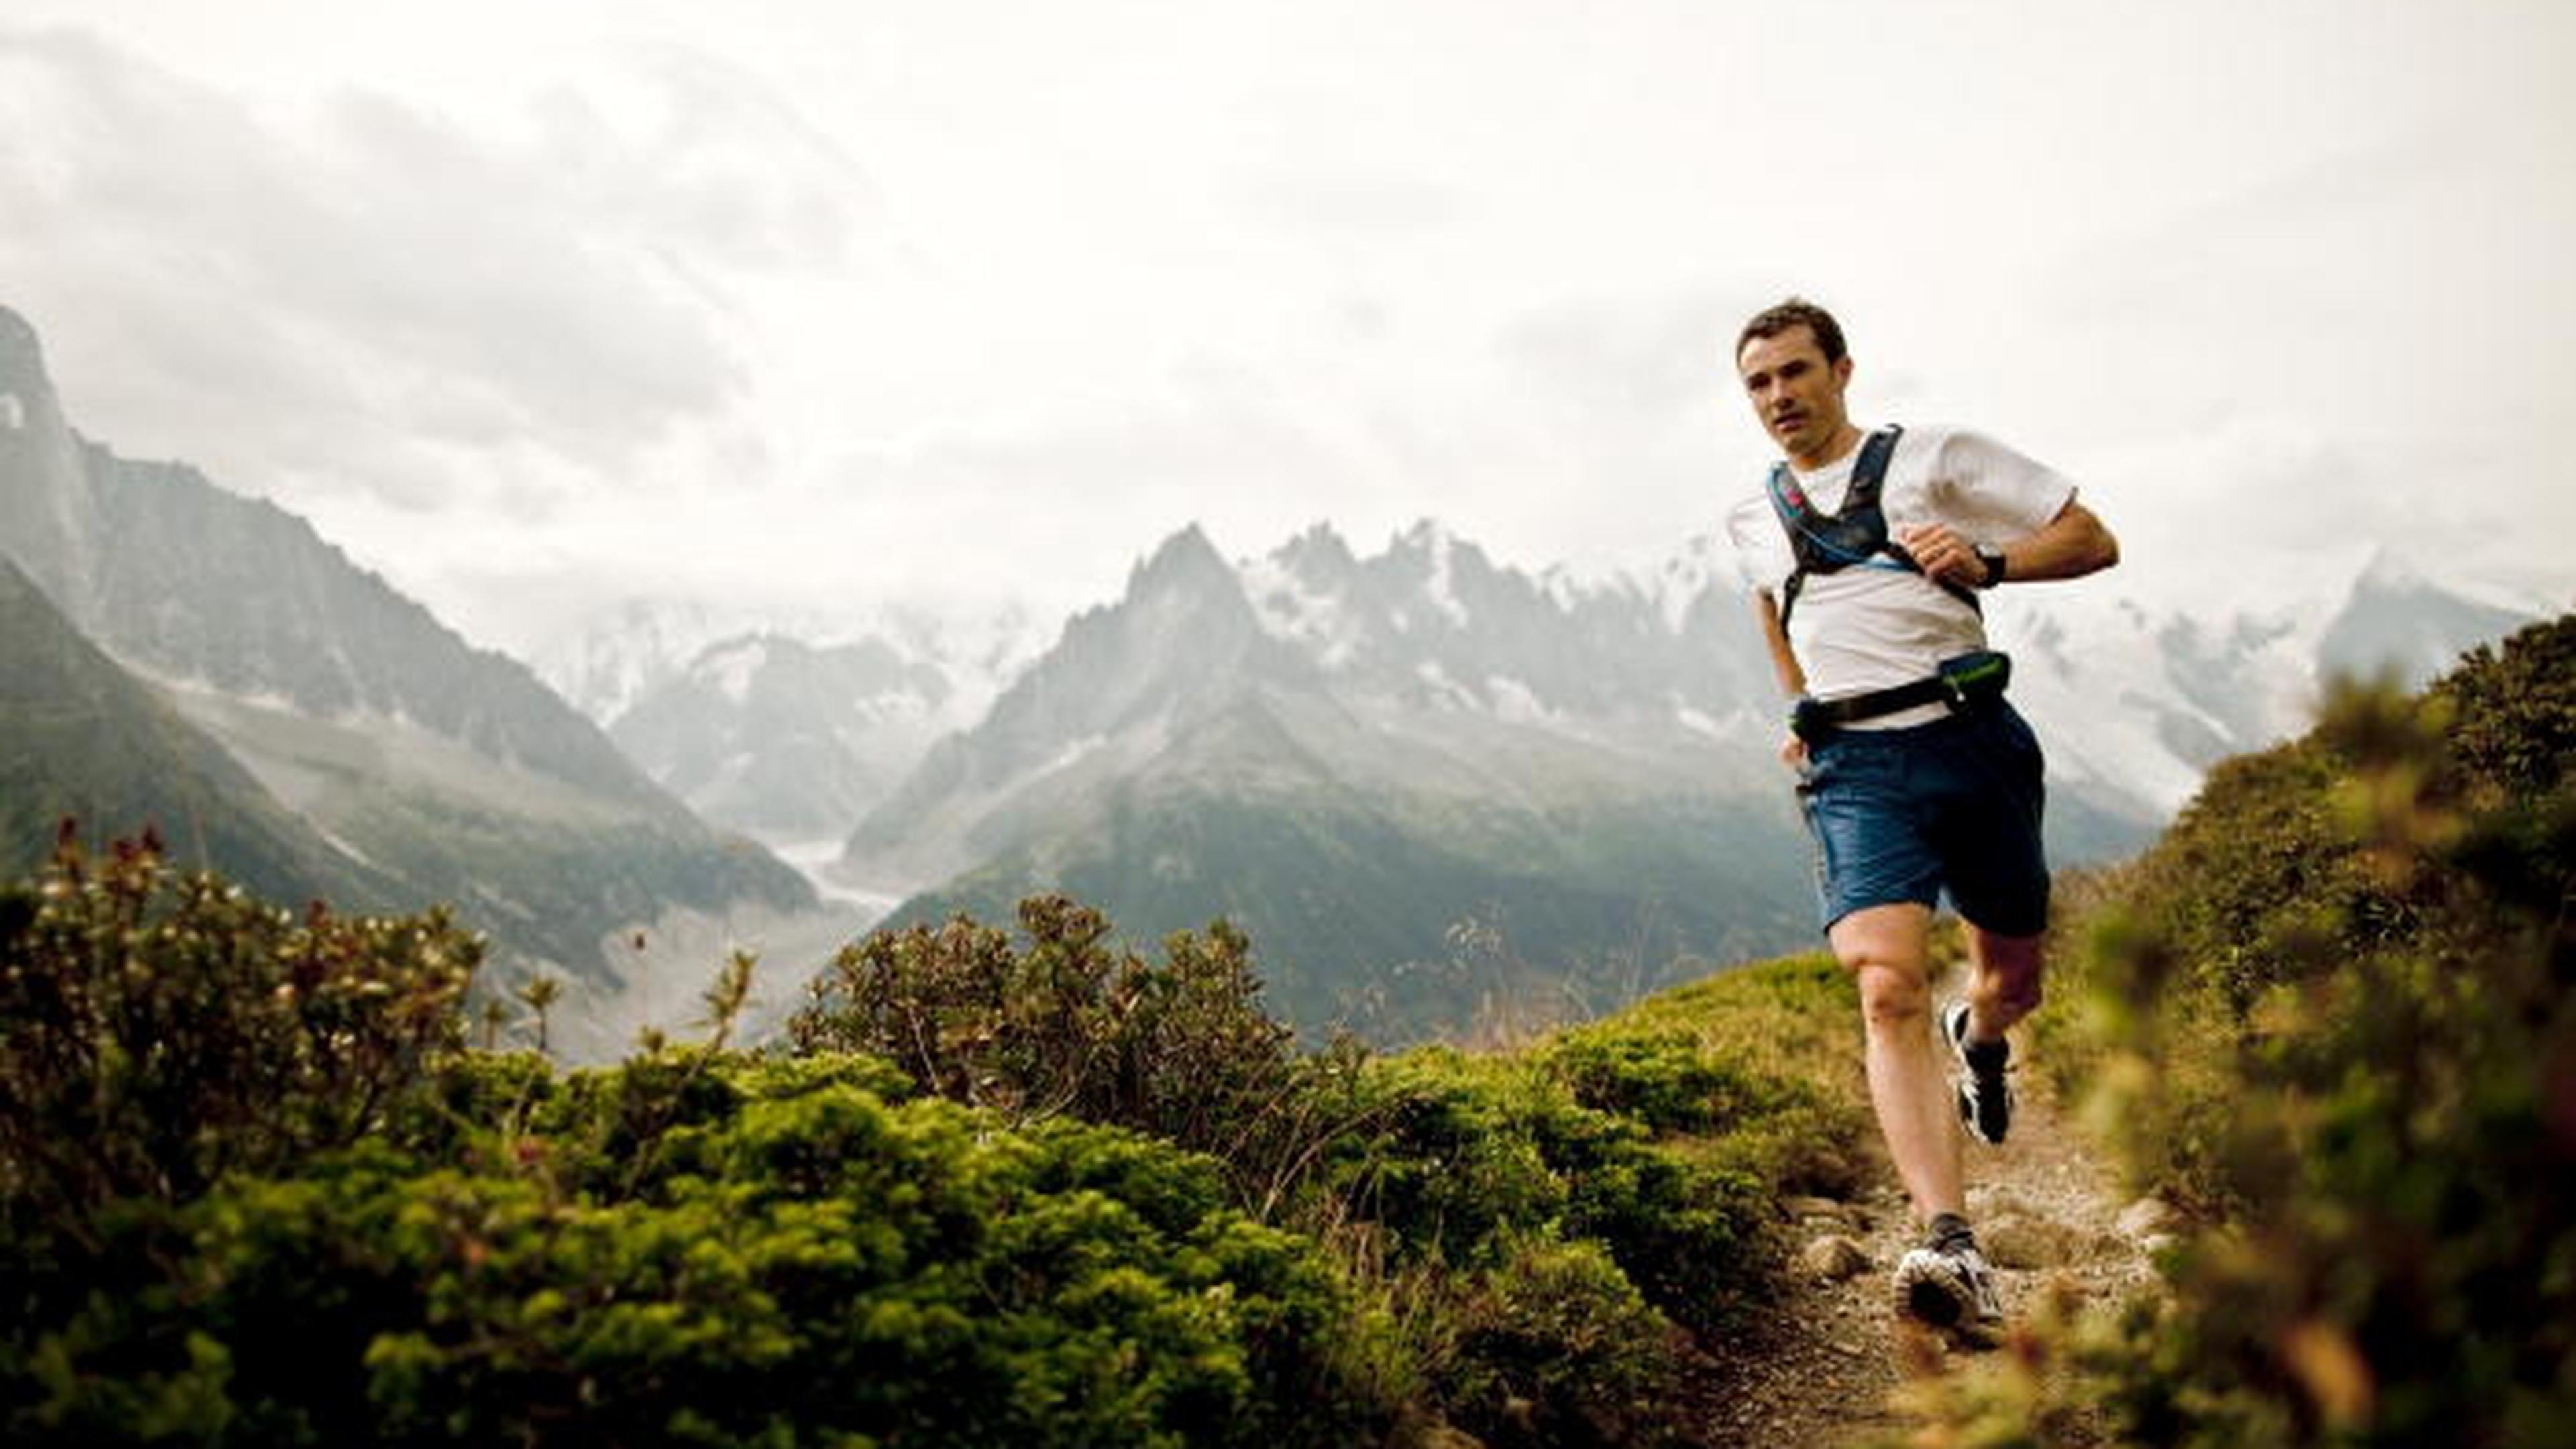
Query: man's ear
{"type": "Point", "coordinates": [1843, 370]}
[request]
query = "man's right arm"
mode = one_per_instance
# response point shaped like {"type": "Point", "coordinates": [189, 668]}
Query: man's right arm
{"type": "Point", "coordinates": [1784, 663]}
{"type": "Point", "coordinates": [1762, 561]}
{"type": "Point", "coordinates": [1775, 634]}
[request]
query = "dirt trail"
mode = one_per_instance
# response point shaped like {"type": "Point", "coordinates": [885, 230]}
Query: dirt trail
{"type": "Point", "coordinates": [2047, 1210]}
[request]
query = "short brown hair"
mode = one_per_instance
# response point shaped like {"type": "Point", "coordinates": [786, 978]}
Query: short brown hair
{"type": "Point", "coordinates": [1795, 312]}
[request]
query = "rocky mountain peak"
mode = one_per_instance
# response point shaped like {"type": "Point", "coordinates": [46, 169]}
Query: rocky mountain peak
{"type": "Point", "coordinates": [2388, 571]}
{"type": "Point", "coordinates": [48, 520]}
{"type": "Point", "coordinates": [1184, 603]}
{"type": "Point", "coordinates": [1421, 574]}
{"type": "Point", "coordinates": [1427, 536]}
{"type": "Point", "coordinates": [2396, 619]}
{"type": "Point", "coordinates": [1185, 563]}
{"type": "Point", "coordinates": [22, 359]}
{"type": "Point", "coordinates": [1317, 556]}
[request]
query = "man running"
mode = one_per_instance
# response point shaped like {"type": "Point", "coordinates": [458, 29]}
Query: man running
{"type": "Point", "coordinates": [1869, 553]}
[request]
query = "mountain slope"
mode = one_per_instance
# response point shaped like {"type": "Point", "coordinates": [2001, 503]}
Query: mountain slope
{"type": "Point", "coordinates": [1357, 781]}
{"type": "Point", "coordinates": [1399, 769]}
{"type": "Point", "coordinates": [450, 770]}
{"type": "Point", "coordinates": [79, 738]}
{"type": "Point", "coordinates": [2399, 622]}
{"type": "Point", "coordinates": [237, 597]}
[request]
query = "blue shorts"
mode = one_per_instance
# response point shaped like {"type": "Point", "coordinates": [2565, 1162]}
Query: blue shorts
{"type": "Point", "coordinates": [1904, 814]}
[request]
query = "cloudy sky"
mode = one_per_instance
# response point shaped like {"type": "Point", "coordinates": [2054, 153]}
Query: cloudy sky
{"type": "Point", "coordinates": [534, 306]}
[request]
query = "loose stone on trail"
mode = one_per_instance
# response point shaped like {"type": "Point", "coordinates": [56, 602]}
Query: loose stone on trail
{"type": "Point", "coordinates": [1833, 1258]}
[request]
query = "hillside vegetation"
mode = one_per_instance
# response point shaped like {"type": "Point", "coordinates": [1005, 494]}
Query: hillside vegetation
{"type": "Point", "coordinates": [1023, 1185]}
{"type": "Point", "coordinates": [998, 1187]}
{"type": "Point", "coordinates": [2330, 1016]}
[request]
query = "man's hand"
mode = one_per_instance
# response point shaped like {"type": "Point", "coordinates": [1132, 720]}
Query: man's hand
{"type": "Point", "coordinates": [1944, 556]}
{"type": "Point", "coordinates": [2071, 545]}
{"type": "Point", "coordinates": [1793, 753]}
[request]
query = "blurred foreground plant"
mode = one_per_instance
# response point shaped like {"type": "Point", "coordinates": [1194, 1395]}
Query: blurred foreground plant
{"type": "Point", "coordinates": [2331, 1014]}
{"type": "Point", "coordinates": [164, 1030]}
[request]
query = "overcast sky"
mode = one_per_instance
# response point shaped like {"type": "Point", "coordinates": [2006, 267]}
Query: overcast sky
{"type": "Point", "coordinates": [533, 306]}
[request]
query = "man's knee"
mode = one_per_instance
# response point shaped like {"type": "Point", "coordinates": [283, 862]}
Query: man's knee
{"type": "Point", "coordinates": [1892, 996]}
{"type": "Point", "coordinates": [1884, 947]}
{"type": "Point", "coordinates": [1886, 950]}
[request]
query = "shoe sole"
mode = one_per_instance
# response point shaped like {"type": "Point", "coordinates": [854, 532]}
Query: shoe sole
{"type": "Point", "coordinates": [1931, 1304]}
{"type": "Point", "coordinates": [1934, 1299]}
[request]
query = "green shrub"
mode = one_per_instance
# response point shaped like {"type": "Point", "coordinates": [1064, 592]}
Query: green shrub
{"type": "Point", "coordinates": [999, 1188]}
{"type": "Point", "coordinates": [1060, 1023]}
{"type": "Point", "coordinates": [2332, 1012]}
{"type": "Point", "coordinates": [1470, 1155]}
{"type": "Point", "coordinates": [1772, 1051]}
{"type": "Point", "coordinates": [1439, 1163]}
{"type": "Point", "coordinates": [1660, 1079]}
{"type": "Point", "coordinates": [164, 1030]}
{"type": "Point", "coordinates": [841, 1270]}
{"type": "Point", "coordinates": [1448, 1164]}
{"type": "Point", "coordinates": [1553, 1345]}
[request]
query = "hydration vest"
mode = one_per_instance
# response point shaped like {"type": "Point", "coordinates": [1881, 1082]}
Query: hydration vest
{"type": "Point", "coordinates": [1827, 543]}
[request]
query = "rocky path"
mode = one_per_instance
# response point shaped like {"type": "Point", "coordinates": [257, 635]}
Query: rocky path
{"type": "Point", "coordinates": [2049, 1214]}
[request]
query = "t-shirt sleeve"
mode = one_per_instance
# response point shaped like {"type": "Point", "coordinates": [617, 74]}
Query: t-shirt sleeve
{"type": "Point", "coordinates": [1762, 557]}
{"type": "Point", "coordinates": [1994, 494]}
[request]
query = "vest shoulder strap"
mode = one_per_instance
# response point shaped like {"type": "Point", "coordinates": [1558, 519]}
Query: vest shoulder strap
{"type": "Point", "coordinates": [1870, 469]}
{"type": "Point", "coordinates": [1826, 542]}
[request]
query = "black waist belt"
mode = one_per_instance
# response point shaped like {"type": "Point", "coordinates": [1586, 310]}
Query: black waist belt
{"type": "Point", "coordinates": [1968, 680]}
{"type": "Point", "coordinates": [1853, 708]}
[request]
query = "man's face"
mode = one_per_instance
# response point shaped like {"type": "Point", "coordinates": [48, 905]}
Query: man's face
{"type": "Point", "coordinates": [1797, 395]}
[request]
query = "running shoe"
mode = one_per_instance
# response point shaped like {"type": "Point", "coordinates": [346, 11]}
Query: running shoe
{"type": "Point", "coordinates": [1985, 1096]}
{"type": "Point", "coordinates": [1949, 1286]}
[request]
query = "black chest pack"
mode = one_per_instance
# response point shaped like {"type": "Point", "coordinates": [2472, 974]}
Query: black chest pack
{"type": "Point", "coordinates": [1827, 543]}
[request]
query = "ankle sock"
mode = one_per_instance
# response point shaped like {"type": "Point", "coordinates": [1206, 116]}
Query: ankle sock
{"type": "Point", "coordinates": [1951, 1230]}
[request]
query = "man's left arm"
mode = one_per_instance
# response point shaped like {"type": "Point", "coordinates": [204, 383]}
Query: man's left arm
{"type": "Point", "coordinates": [2068, 546]}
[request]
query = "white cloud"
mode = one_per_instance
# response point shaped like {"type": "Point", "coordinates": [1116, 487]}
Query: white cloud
{"type": "Point", "coordinates": [965, 300]}
{"type": "Point", "coordinates": [357, 292]}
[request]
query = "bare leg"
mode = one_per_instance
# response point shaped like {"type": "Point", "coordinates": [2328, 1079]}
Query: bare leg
{"type": "Point", "coordinates": [1885, 949]}
{"type": "Point", "coordinates": [2003, 981]}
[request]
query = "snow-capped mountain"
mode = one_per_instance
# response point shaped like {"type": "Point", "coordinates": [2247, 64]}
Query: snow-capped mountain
{"type": "Point", "coordinates": [2136, 704]}
{"type": "Point", "coordinates": [1354, 754]}
{"type": "Point", "coordinates": [634, 648]}
{"type": "Point", "coordinates": [786, 740]}
{"type": "Point", "coordinates": [614, 662]}
{"type": "Point", "coordinates": [761, 722]}
{"type": "Point", "coordinates": [1332, 752]}
{"type": "Point", "coordinates": [2397, 620]}
{"type": "Point", "coordinates": [1431, 620]}
{"type": "Point", "coordinates": [1427, 639]}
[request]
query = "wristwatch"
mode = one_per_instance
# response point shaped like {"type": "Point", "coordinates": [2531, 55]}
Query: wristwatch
{"type": "Point", "coordinates": [1993, 558]}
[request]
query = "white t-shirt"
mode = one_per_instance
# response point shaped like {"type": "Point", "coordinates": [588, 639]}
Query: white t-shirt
{"type": "Point", "coordinates": [1863, 628]}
